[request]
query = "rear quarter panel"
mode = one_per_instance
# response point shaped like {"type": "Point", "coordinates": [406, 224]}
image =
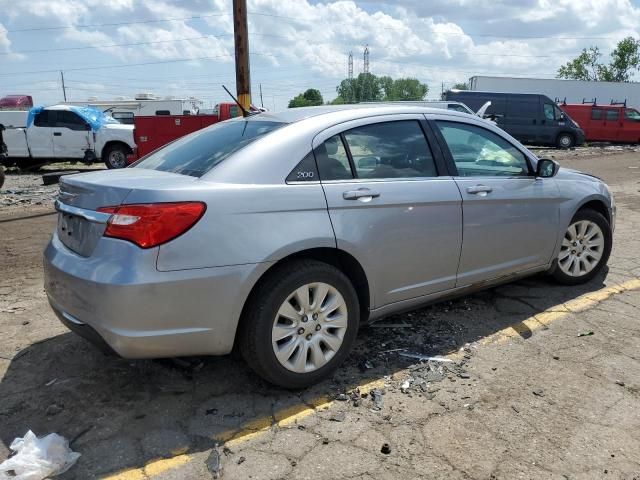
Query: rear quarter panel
{"type": "Point", "coordinates": [247, 224]}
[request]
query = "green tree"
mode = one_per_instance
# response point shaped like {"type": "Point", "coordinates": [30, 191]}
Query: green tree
{"type": "Point", "coordinates": [370, 88]}
{"type": "Point", "coordinates": [460, 86]}
{"type": "Point", "coordinates": [405, 89]}
{"type": "Point", "coordinates": [364, 88]}
{"type": "Point", "coordinates": [584, 67]}
{"type": "Point", "coordinates": [625, 59]}
{"type": "Point", "coordinates": [309, 98]}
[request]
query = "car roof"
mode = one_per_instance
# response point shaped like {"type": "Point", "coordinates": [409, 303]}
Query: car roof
{"type": "Point", "coordinates": [347, 112]}
{"type": "Point", "coordinates": [57, 107]}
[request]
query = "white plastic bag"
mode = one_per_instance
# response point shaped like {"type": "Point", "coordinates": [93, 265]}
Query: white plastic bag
{"type": "Point", "coordinates": [38, 458]}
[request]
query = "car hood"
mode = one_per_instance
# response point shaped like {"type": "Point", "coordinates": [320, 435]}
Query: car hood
{"type": "Point", "coordinates": [118, 126]}
{"type": "Point", "coordinates": [571, 174]}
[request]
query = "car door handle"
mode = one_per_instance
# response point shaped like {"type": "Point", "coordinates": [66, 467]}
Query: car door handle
{"type": "Point", "coordinates": [361, 193]}
{"type": "Point", "coordinates": [57, 134]}
{"type": "Point", "coordinates": [481, 190]}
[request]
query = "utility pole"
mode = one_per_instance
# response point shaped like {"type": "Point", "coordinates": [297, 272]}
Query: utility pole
{"type": "Point", "coordinates": [241, 39]}
{"type": "Point", "coordinates": [64, 90]}
{"type": "Point", "coordinates": [261, 101]}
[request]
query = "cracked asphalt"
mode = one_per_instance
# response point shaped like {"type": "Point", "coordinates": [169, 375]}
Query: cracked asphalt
{"type": "Point", "coordinates": [543, 382]}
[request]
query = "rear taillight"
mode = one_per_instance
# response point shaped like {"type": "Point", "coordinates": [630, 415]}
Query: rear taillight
{"type": "Point", "coordinates": [152, 224]}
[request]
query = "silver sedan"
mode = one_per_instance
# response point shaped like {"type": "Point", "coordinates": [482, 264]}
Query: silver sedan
{"type": "Point", "coordinates": [283, 232]}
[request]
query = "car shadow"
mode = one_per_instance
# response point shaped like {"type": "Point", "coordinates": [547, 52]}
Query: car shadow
{"type": "Point", "coordinates": [121, 414]}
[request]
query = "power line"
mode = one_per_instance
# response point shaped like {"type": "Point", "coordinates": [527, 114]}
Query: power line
{"type": "Point", "coordinates": [288, 17]}
{"type": "Point", "coordinates": [117, 24]}
{"type": "Point", "coordinates": [87, 47]}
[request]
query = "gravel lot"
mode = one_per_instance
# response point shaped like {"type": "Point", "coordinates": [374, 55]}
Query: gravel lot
{"type": "Point", "coordinates": [541, 381]}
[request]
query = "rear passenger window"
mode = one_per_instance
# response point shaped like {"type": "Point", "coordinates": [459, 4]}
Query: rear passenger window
{"type": "Point", "coordinates": [333, 161]}
{"type": "Point", "coordinates": [477, 152]}
{"type": "Point", "coordinates": [596, 114]}
{"type": "Point", "coordinates": [390, 150]}
{"type": "Point", "coordinates": [612, 115]}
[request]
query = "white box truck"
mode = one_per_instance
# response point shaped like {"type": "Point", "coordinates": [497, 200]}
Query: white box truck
{"type": "Point", "coordinates": [62, 133]}
{"type": "Point", "coordinates": [573, 91]}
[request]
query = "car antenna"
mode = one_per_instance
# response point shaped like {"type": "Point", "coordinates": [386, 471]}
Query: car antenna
{"type": "Point", "coordinates": [245, 113]}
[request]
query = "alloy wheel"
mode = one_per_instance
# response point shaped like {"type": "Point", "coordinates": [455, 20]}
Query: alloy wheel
{"type": "Point", "coordinates": [582, 248]}
{"type": "Point", "coordinates": [309, 327]}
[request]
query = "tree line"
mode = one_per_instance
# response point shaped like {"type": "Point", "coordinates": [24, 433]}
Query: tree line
{"type": "Point", "coordinates": [366, 87]}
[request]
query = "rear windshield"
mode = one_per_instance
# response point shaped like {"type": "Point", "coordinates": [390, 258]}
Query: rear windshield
{"type": "Point", "coordinates": [199, 152]}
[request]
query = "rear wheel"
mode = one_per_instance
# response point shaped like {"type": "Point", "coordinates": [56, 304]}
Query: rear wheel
{"type": "Point", "coordinates": [565, 140]}
{"type": "Point", "coordinates": [585, 248]}
{"type": "Point", "coordinates": [115, 156]}
{"type": "Point", "coordinates": [300, 324]}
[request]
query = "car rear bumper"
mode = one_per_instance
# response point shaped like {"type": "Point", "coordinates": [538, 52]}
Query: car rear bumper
{"type": "Point", "coordinates": [126, 305]}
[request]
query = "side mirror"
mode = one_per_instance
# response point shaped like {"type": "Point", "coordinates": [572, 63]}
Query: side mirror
{"type": "Point", "coordinates": [547, 168]}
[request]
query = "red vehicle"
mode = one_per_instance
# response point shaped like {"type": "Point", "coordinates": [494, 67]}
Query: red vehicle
{"type": "Point", "coordinates": [156, 131]}
{"type": "Point", "coordinates": [606, 123]}
{"type": "Point", "coordinates": [16, 102]}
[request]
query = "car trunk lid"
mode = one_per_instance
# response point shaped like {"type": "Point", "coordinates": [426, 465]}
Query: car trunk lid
{"type": "Point", "coordinates": [80, 225]}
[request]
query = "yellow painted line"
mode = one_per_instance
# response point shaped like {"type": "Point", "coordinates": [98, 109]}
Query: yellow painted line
{"type": "Point", "coordinates": [299, 411]}
{"type": "Point", "coordinates": [154, 467]}
{"type": "Point", "coordinates": [541, 320]}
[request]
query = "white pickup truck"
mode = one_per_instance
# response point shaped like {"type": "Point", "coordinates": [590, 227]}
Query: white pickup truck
{"type": "Point", "coordinates": [63, 132]}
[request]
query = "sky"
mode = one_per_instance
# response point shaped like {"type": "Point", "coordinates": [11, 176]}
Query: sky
{"type": "Point", "coordinates": [184, 48]}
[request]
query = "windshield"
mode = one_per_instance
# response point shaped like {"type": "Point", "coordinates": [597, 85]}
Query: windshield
{"type": "Point", "coordinates": [199, 152]}
{"type": "Point", "coordinates": [631, 114]}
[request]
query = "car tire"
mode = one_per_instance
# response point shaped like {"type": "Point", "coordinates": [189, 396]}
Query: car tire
{"type": "Point", "coordinates": [593, 229]}
{"type": "Point", "coordinates": [115, 156]}
{"type": "Point", "coordinates": [311, 347]}
{"type": "Point", "coordinates": [565, 140]}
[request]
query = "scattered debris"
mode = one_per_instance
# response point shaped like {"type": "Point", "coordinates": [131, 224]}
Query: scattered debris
{"type": "Point", "coordinates": [342, 397]}
{"type": "Point", "coordinates": [515, 409]}
{"type": "Point", "coordinates": [38, 458]}
{"type": "Point", "coordinates": [325, 441]}
{"type": "Point", "coordinates": [213, 463]}
{"type": "Point", "coordinates": [386, 448]}
{"type": "Point", "coordinates": [620, 382]}
{"type": "Point", "coordinates": [338, 417]}
{"type": "Point", "coordinates": [50, 382]}
{"type": "Point", "coordinates": [421, 357]}
{"type": "Point", "coordinates": [586, 334]}
{"type": "Point", "coordinates": [241, 460]}
{"type": "Point", "coordinates": [539, 392]}
{"type": "Point", "coordinates": [211, 411]}
{"type": "Point", "coordinates": [376, 398]}
{"type": "Point", "coordinates": [53, 409]}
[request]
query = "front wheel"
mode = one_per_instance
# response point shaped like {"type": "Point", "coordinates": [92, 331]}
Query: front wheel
{"type": "Point", "coordinates": [300, 324]}
{"type": "Point", "coordinates": [565, 140]}
{"type": "Point", "coordinates": [115, 157]}
{"type": "Point", "coordinates": [585, 248]}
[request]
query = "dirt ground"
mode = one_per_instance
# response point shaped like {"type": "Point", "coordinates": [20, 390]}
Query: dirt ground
{"type": "Point", "coordinates": [544, 380]}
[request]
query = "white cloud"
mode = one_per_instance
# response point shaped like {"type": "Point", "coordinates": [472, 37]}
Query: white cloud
{"type": "Point", "coordinates": [304, 43]}
{"type": "Point", "coordinates": [5, 45]}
